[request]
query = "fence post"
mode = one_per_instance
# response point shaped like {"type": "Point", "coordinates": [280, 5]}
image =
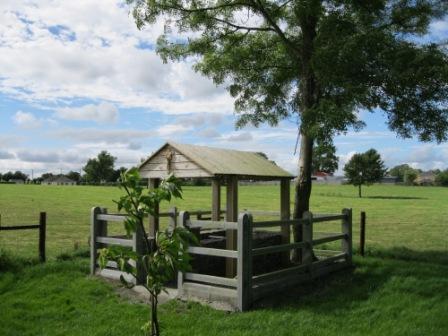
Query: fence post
{"type": "Point", "coordinates": [42, 235]}
{"type": "Point", "coordinates": [362, 233]}
{"type": "Point", "coordinates": [307, 234]}
{"type": "Point", "coordinates": [173, 218]}
{"type": "Point", "coordinates": [244, 262]}
{"type": "Point", "coordinates": [347, 244]}
{"type": "Point", "coordinates": [94, 227]}
{"type": "Point", "coordinates": [183, 217]}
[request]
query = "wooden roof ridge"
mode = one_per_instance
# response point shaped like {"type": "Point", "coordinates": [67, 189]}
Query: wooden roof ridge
{"type": "Point", "coordinates": [222, 161]}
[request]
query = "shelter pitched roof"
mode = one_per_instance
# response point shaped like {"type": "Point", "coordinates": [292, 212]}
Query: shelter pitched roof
{"type": "Point", "coordinates": [218, 161]}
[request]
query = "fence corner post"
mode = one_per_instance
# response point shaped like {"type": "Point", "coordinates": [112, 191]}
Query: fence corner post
{"type": "Point", "coordinates": [347, 242]}
{"type": "Point", "coordinates": [42, 235]}
{"type": "Point", "coordinates": [182, 222]}
{"type": "Point", "coordinates": [93, 234]}
{"type": "Point", "coordinates": [307, 235]}
{"type": "Point", "coordinates": [244, 262]}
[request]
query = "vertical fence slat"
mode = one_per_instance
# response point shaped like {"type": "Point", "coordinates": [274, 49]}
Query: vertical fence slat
{"type": "Point", "coordinates": [93, 234]}
{"type": "Point", "coordinates": [139, 248]}
{"type": "Point", "coordinates": [244, 262]}
{"type": "Point", "coordinates": [307, 234]}
{"type": "Point", "coordinates": [347, 244]}
{"type": "Point", "coordinates": [183, 217]}
{"type": "Point", "coordinates": [42, 235]}
{"type": "Point", "coordinates": [362, 234]}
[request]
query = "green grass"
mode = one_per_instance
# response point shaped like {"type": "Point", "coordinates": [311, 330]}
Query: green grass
{"type": "Point", "coordinates": [379, 297]}
{"type": "Point", "coordinates": [397, 216]}
{"type": "Point", "coordinates": [401, 288]}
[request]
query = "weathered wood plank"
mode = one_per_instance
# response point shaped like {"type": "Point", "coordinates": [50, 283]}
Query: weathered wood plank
{"type": "Point", "coordinates": [231, 216]}
{"type": "Point", "coordinates": [210, 279]}
{"type": "Point", "coordinates": [329, 238]}
{"type": "Point", "coordinates": [346, 226]}
{"type": "Point", "coordinates": [19, 227]}
{"type": "Point", "coordinates": [111, 217]}
{"type": "Point", "coordinates": [244, 264]}
{"type": "Point", "coordinates": [327, 218]}
{"type": "Point", "coordinates": [263, 224]}
{"type": "Point", "coordinates": [213, 252]}
{"type": "Point", "coordinates": [115, 241]}
{"type": "Point", "coordinates": [275, 275]}
{"type": "Point", "coordinates": [276, 248]}
{"type": "Point", "coordinates": [205, 224]}
{"type": "Point", "coordinates": [209, 293]}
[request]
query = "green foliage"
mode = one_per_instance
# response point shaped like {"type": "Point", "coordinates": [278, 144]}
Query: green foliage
{"type": "Point", "coordinates": [442, 178]}
{"type": "Point", "coordinates": [324, 157]}
{"type": "Point", "coordinates": [410, 176]}
{"type": "Point", "coordinates": [100, 169]}
{"type": "Point", "coordinates": [365, 169]}
{"type": "Point", "coordinates": [319, 60]}
{"type": "Point", "coordinates": [404, 173]}
{"type": "Point", "coordinates": [164, 256]}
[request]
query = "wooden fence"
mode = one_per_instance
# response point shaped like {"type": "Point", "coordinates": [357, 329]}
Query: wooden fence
{"type": "Point", "coordinates": [42, 227]}
{"type": "Point", "coordinates": [240, 291]}
{"type": "Point", "coordinates": [246, 288]}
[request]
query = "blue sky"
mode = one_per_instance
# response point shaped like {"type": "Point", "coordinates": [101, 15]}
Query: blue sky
{"type": "Point", "coordinates": [77, 77]}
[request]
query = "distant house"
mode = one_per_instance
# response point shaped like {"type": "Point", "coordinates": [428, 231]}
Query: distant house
{"type": "Point", "coordinates": [389, 180]}
{"type": "Point", "coordinates": [426, 178]}
{"type": "Point", "coordinates": [58, 180]}
{"type": "Point", "coordinates": [320, 176]}
{"type": "Point", "coordinates": [16, 181]}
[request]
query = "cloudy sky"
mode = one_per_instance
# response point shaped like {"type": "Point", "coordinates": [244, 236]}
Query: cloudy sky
{"type": "Point", "coordinates": [77, 77]}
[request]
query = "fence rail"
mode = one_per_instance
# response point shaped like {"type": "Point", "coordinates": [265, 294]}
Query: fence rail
{"type": "Point", "coordinates": [42, 227]}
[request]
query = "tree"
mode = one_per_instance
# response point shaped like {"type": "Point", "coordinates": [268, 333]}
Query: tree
{"type": "Point", "coordinates": [100, 169]}
{"type": "Point", "coordinates": [165, 255]}
{"type": "Point", "coordinates": [442, 178]}
{"type": "Point", "coordinates": [314, 60]}
{"type": "Point", "coordinates": [324, 157]}
{"type": "Point", "coordinates": [74, 176]}
{"type": "Point", "coordinates": [17, 175]}
{"type": "Point", "coordinates": [410, 175]}
{"type": "Point", "coordinates": [365, 169]}
{"type": "Point", "coordinates": [399, 171]}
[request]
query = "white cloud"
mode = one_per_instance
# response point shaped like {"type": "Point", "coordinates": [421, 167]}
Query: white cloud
{"type": "Point", "coordinates": [172, 130]}
{"type": "Point", "coordinates": [26, 120]}
{"type": "Point", "coordinates": [101, 113]}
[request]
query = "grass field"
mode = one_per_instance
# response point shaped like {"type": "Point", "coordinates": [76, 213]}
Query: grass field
{"type": "Point", "coordinates": [401, 288]}
{"type": "Point", "coordinates": [398, 216]}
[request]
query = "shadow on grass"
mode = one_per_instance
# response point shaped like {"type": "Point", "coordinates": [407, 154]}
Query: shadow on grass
{"type": "Point", "coordinates": [399, 271]}
{"type": "Point", "coordinates": [395, 197]}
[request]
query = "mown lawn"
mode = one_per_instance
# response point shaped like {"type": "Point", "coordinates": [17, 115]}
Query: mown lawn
{"type": "Point", "coordinates": [401, 288]}
{"type": "Point", "coordinates": [398, 216]}
{"type": "Point", "coordinates": [379, 297]}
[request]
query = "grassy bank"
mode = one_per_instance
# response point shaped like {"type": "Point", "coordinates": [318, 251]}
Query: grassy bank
{"type": "Point", "coordinates": [379, 297]}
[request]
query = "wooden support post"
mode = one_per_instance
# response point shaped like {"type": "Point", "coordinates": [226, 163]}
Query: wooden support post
{"type": "Point", "coordinates": [94, 227]}
{"type": "Point", "coordinates": [285, 214]}
{"type": "Point", "coordinates": [139, 247]}
{"type": "Point", "coordinates": [244, 265]}
{"type": "Point", "coordinates": [216, 200]}
{"type": "Point", "coordinates": [154, 183]}
{"type": "Point", "coordinates": [183, 217]}
{"type": "Point", "coordinates": [362, 234]}
{"type": "Point", "coordinates": [173, 218]}
{"type": "Point", "coordinates": [231, 216]}
{"type": "Point", "coordinates": [42, 235]}
{"type": "Point", "coordinates": [307, 234]}
{"type": "Point", "coordinates": [347, 244]}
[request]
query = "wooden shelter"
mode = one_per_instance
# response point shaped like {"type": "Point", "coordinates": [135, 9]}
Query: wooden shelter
{"type": "Point", "coordinates": [224, 167]}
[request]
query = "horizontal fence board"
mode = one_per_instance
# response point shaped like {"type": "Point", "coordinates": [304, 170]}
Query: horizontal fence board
{"type": "Point", "coordinates": [206, 224]}
{"type": "Point", "coordinates": [278, 223]}
{"type": "Point", "coordinates": [210, 293]}
{"type": "Point", "coordinates": [262, 290]}
{"type": "Point", "coordinates": [329, 238]}
{"type": "Point", "coordinates": [111, 217]}
{"type": "Point", "coordinates": [213, 252]}
{"type": "Point", "coordinates": [277, 248]}
{"type": "Point", "coordinates": [326, 261]}
{"type": "Point", "coordinates": [295, 270]}
{"type": "Point", "coordinates": [19, 227]}
{"type": "Point", "coordinates": [215, 280]}
{"type": "Point", "coordinates": [327, 218]}
{"type": "Point", "coordinates": [263, 212]}
{"type": "Point", "coordinates": [115, 241]}
{"type": "Point", "coordinates": [113, 264]}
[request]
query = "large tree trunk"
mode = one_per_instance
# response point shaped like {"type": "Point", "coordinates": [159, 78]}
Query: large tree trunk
{"type": "Point", "coordinates": [303, 188]}
{"type": "Point", "coordinates": [309, 97]}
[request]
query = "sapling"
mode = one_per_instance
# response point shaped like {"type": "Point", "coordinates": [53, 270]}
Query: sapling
{"type": "Point", "coordinates": [164, 255]}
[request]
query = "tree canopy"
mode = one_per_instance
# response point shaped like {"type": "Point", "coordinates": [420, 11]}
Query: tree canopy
{"type": "Point", "coordinates": [100, 169]}
{"type": "Point", "coordinates": [365, 169]}
{"type": "Point", "coordinates": [324, 157]}
{"type": "Point", "coordinates": [316, 61]}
